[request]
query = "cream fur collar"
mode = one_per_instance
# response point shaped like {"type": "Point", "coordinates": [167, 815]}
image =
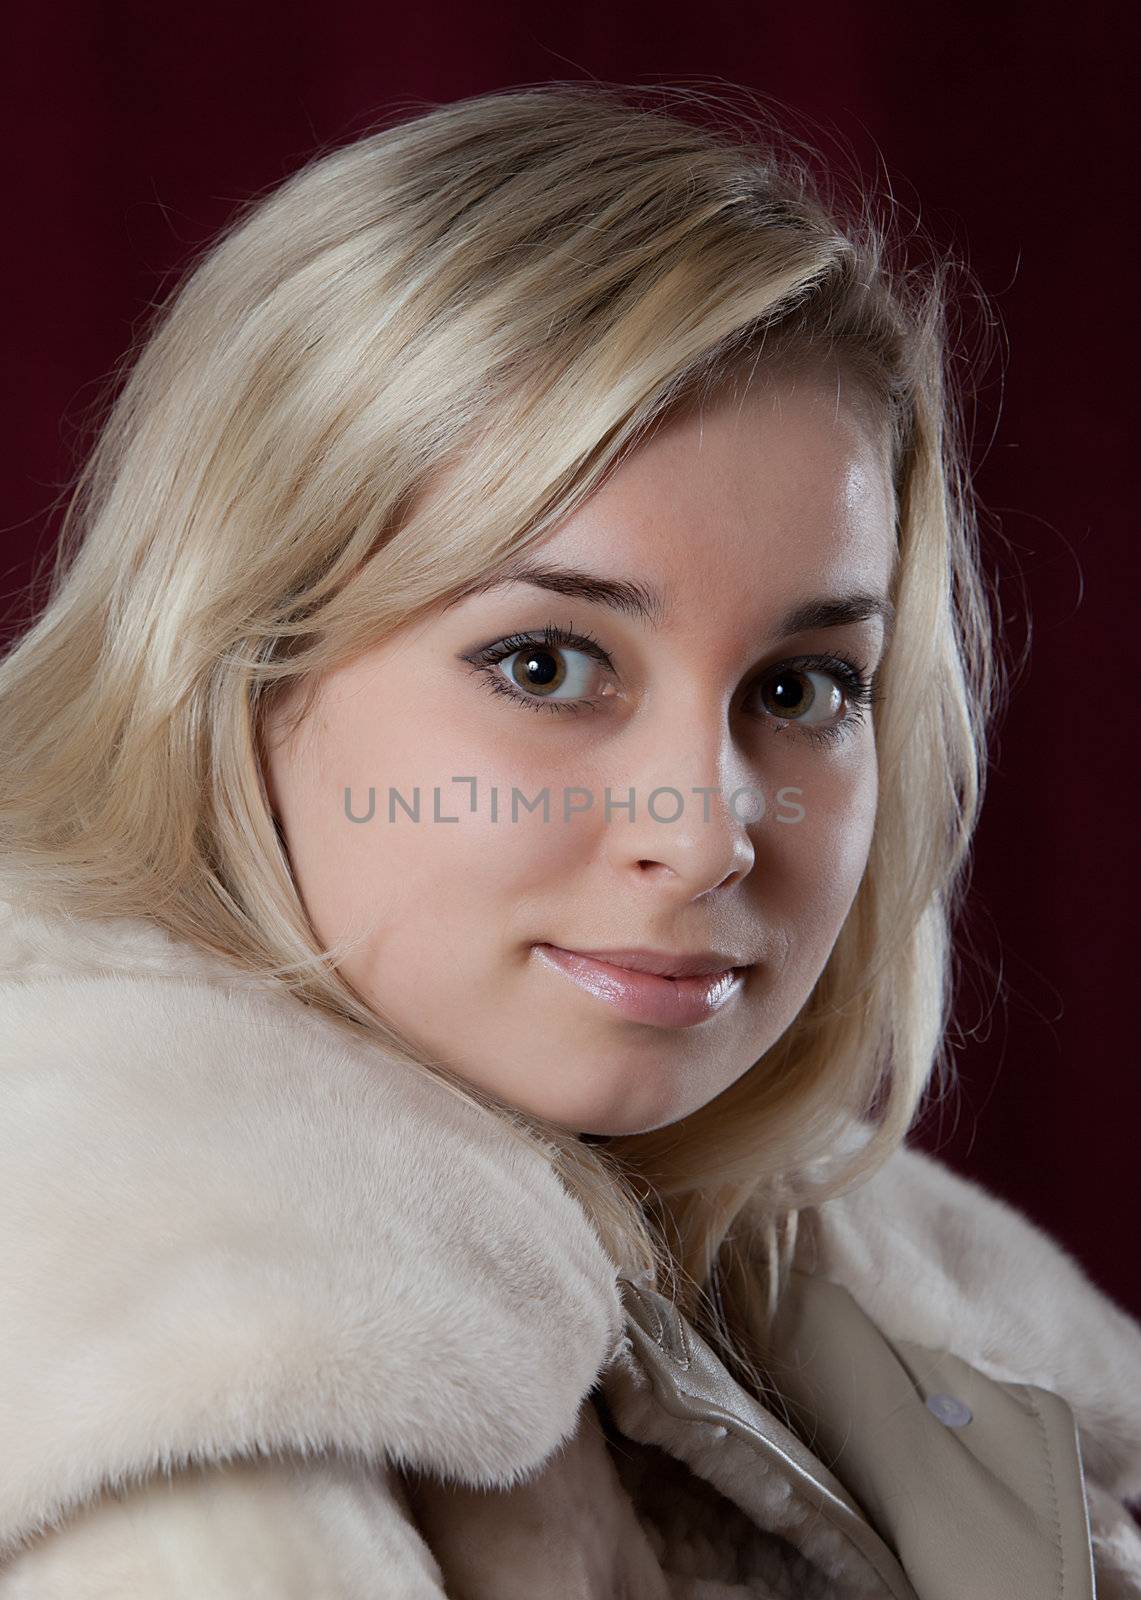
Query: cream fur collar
{"type": "Point", "coordinates": [223, 1226]}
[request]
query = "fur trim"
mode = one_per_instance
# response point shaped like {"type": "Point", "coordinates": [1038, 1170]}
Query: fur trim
{"type": "Point", "coordinates": [226, 1229]}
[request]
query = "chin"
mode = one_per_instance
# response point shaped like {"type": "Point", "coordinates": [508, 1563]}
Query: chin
{"type": "Point", "coordinates": [641, 1103]}
{"type": "Point", "coordinates": [597, 1129]}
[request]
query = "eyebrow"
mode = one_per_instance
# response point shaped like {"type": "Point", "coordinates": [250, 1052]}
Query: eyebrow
{"type": "Point", "coordinates": [647, 603]}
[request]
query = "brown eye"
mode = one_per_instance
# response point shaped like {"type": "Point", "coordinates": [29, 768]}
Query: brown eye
{"type": "Point", "coordinates": [792, 695]}
{"type": "Point", "coordinates": [561, 671]}
{"type": "Point", "coordinates": [539, 669]}
{"type": "Point", "coordinates": [556, 673]}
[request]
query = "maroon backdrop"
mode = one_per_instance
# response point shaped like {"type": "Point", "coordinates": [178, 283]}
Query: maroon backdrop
{"type": "Point", "coordinates": [133, 130]}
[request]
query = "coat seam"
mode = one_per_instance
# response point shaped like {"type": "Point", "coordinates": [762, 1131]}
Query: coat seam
{"type": "Point", "coordinates": [1059, 1543]}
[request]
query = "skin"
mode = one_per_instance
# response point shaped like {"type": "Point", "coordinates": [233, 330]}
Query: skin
{"type": "Point", "coordinates": [739, 512]}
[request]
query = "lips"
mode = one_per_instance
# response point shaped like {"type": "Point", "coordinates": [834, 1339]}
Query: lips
{"type": "Point", "coordinates": [663, 963]}
{"type": "Point", "coordinates": [647, 997]}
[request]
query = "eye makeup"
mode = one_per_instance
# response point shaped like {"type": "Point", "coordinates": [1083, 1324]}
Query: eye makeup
{"type": "Point", "coordinates": [857, 688]}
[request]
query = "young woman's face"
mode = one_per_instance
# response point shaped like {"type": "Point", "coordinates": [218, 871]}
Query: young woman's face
{"type": "Point", "coordinates": [724, 730]}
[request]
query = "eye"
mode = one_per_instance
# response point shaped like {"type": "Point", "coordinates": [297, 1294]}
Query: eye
{"type": "Point", "coordinates": [545, 670]}
{"type": "Point", "coordinates": [822, 697]}
{"type": "Point", "coordinates": [553, 672]}
{"type": "Point", "coordinates": [810, 697]}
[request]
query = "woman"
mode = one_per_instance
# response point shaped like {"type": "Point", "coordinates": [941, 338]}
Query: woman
{"type": "Point", "coordinates": [483, 814]}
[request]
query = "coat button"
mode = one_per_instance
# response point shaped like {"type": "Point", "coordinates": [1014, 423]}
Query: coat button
{"type": "Point", "coordinates": [949, 1410]}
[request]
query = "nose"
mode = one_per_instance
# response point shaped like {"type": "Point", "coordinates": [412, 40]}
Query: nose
{"type": "Point", "coordinates": [682, 804]}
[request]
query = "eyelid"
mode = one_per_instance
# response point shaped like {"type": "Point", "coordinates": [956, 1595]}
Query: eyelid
{"type": "Point", "coordinates": [555, 633]}
{"type": "Point", "coordinates": [859, 686]}
{"type": "Point", "coordinates": [858, 680]}
{"type": "Point", "coordinates": [551, 635]}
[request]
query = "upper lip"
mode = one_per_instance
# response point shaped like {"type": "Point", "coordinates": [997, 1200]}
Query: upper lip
{"type": "Point", "coordinates": [665, 963]}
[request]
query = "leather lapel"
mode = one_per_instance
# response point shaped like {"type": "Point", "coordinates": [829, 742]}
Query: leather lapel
{"type": "Point", "coordinates": [993, 1506]}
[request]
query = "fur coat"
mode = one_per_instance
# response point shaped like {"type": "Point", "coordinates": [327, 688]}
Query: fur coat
{"type": "Point", "coordinates": [283, 1320]}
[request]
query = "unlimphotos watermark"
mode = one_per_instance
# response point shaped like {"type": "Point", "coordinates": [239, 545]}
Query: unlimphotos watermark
{"type": "Point", "coordinates": [576, 801]}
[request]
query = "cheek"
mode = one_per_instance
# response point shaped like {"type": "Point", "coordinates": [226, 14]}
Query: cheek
{"type": "Point", "coordinates": [450, 865]}
{"type": "Point", "coordinates": [818, 860]}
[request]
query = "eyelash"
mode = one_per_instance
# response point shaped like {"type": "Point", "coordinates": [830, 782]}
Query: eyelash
{"type": "Point", "coordinates": [859, 690]}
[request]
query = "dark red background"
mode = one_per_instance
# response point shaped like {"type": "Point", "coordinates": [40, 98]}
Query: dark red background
{"type": "Point", "coordinates": [133, 131]}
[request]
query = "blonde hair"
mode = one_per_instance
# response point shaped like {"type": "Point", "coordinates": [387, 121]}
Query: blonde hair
{"type": "Point", "coordinates": [503, 295]}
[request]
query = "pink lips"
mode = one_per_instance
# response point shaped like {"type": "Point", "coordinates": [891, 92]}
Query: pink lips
{"type": "Point", "coordinates": [643, 996]}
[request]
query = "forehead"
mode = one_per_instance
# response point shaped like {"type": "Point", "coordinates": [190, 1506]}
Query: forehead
{"type": "Point", "coordinates": [760, 520]}
{"type": "Point", "coordinates": [801, 434]}
{"type": "Point", "coordinates": [788, 483]}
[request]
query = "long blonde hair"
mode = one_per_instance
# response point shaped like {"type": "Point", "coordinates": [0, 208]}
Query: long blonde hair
{"type": "Point", "coordinates": [504, 295]}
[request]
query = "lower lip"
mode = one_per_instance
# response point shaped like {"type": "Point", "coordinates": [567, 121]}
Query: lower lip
{"type": "Point", "coordinates": [643, 996]}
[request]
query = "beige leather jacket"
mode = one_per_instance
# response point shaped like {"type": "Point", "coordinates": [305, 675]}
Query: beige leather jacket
{"type": "Point", "coordinates": [282, 1318]}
